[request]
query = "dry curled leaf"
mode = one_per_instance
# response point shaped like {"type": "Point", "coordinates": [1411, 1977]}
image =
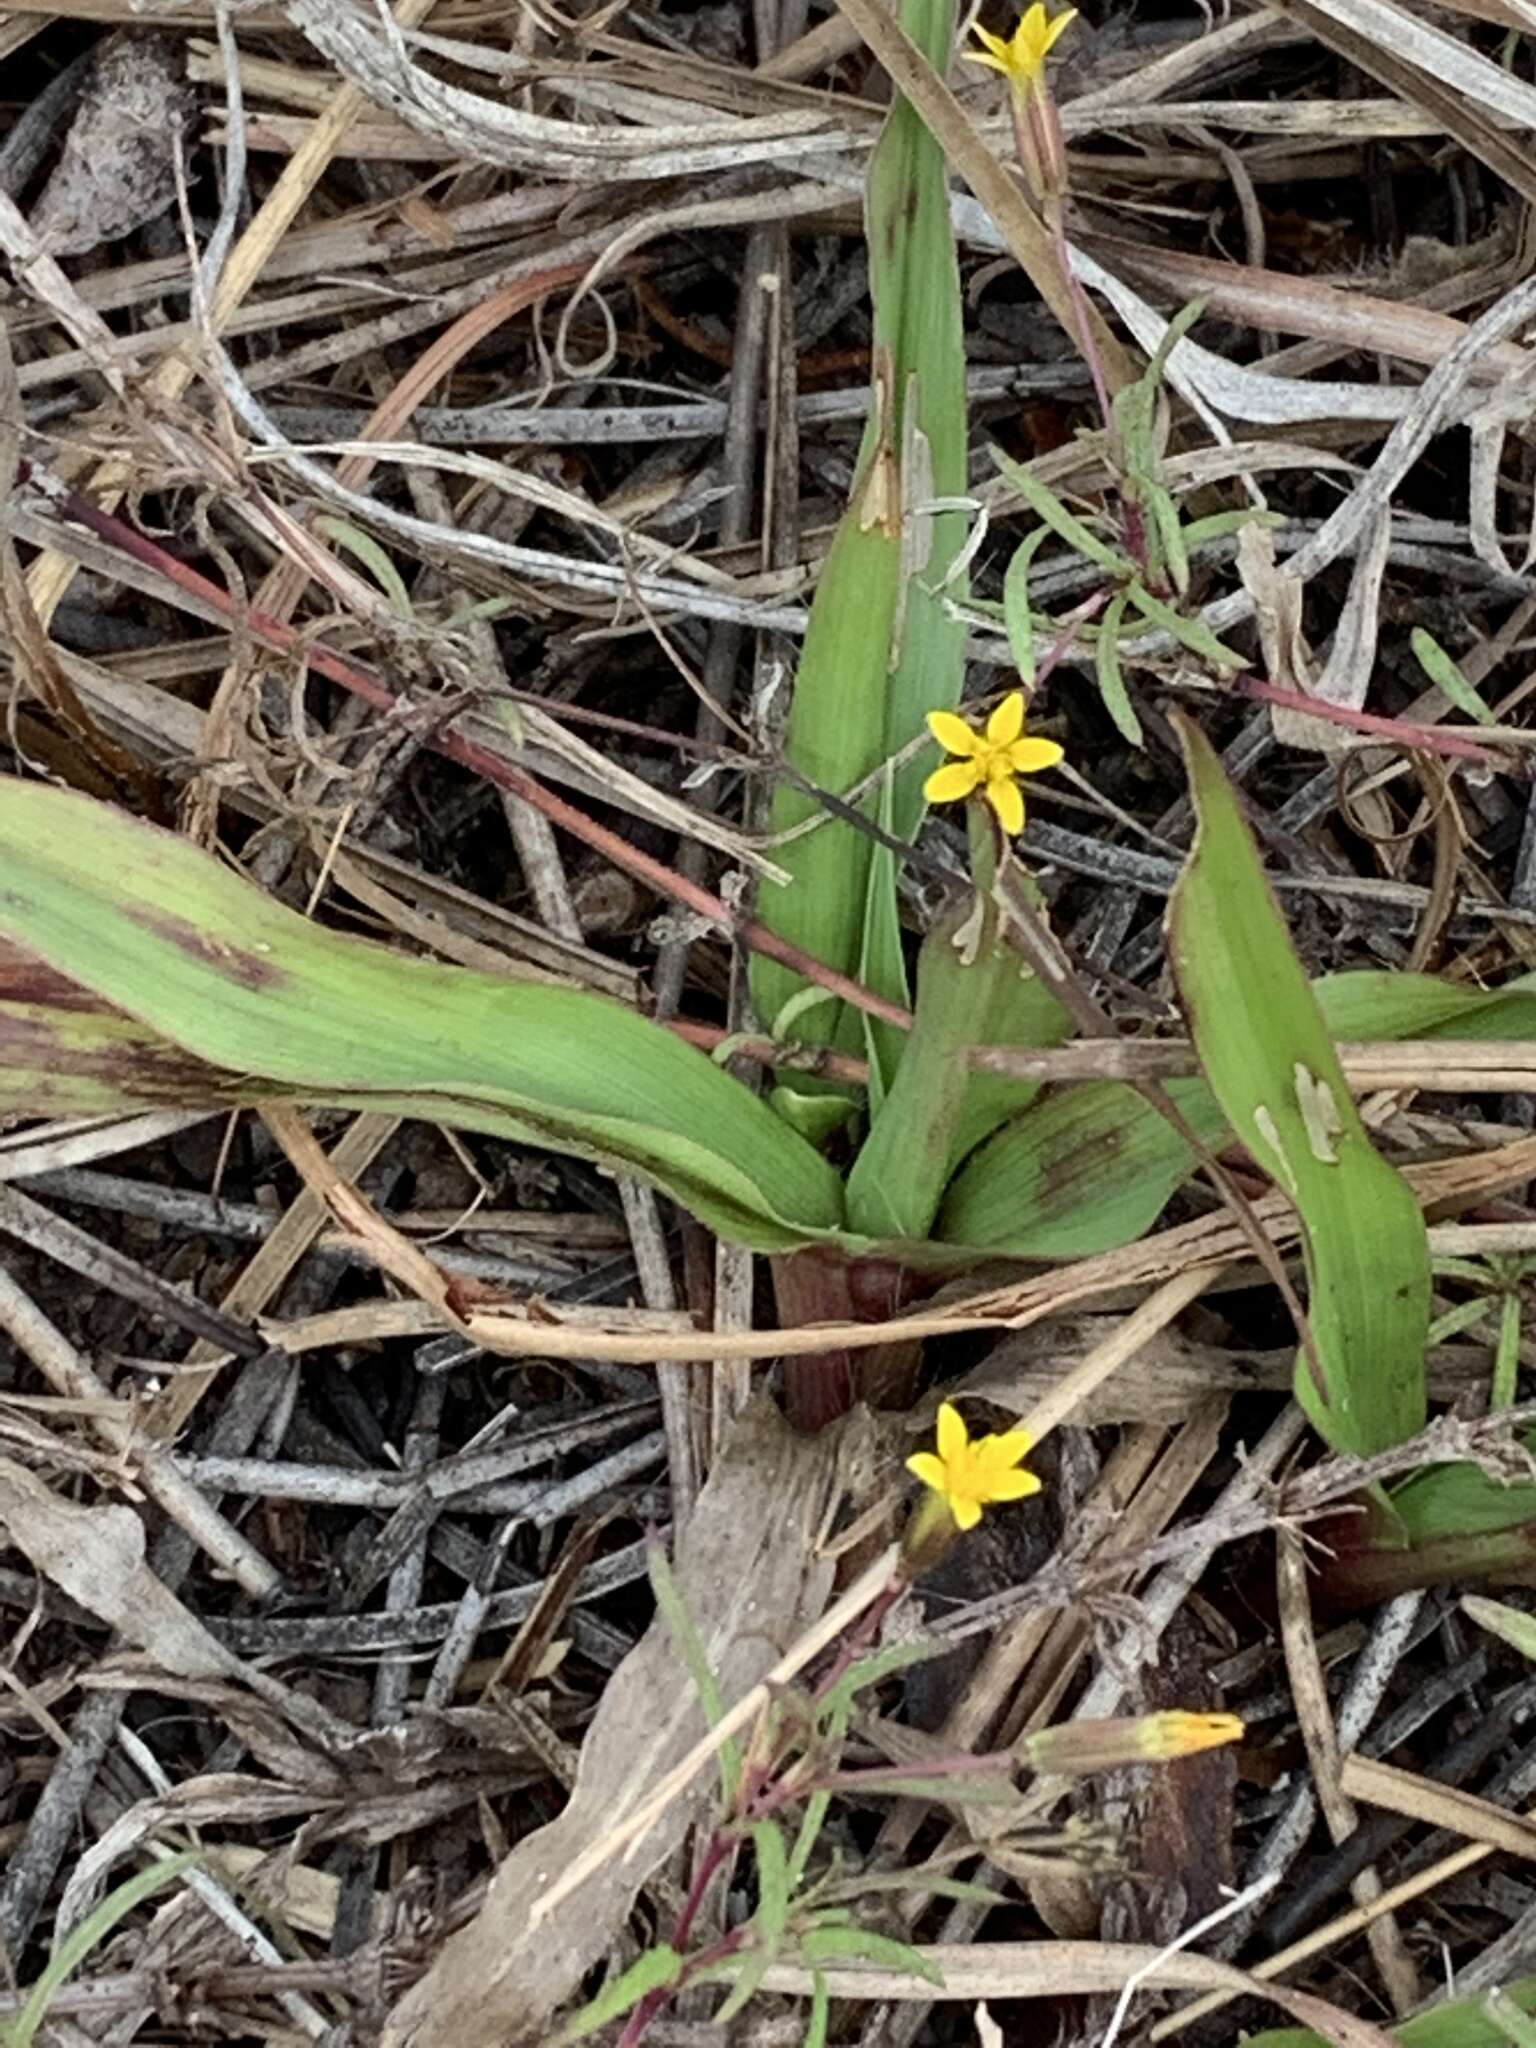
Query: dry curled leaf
{"type": "Point", "coordinates": [96, 1556]}
{"type": "Point", "coordinates": [117, 171]}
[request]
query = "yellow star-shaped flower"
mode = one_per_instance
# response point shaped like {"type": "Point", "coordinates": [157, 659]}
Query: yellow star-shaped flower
{"type": "Point", "coordinates": [970, 1476]}
{"type": "Point", "coordinates": [1021, 56]}
{"type": "Point", "coordinates": [991, 760]}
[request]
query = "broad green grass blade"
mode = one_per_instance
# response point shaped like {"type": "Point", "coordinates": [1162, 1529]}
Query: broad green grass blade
{"type": "Point", "coordinates": [56, 1061]}
{"type": "Point", "coordinates": [1088, 1168]}
{"type": "Point", "coordinates": [1091, 1165]}
{"type": "Point", "coordinates": [173, 939]}
{"type": "Point", "coordinates": [881, 649]}
{"type": "Point", "coordinates": [1266, 1051]}
{"type": "Point", "coordinates": [1376, 1004]}
{"type": "Point", "coordinates": [1461, 1500]}
{"type": "Point", "coordinates": [972, 989]}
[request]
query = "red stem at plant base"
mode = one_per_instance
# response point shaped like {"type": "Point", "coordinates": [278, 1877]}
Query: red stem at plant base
{"type": "Point", "coordinates": [483, 761]}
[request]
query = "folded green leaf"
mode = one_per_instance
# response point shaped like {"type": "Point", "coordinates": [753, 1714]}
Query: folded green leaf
{"type": "Point", "coordinates": [1092, 1164]}
{"type": "Point", "coordinates": [882, 647]}
{"type": "Point", "coordinates": [1087, 1168]}
{"type": "Point", "coordinates": [972, 989]}
{"type": "Point", "coordinates": [57, 1061]}
{"type": "Point", "coordinates": [178, 942]}
{"type": "Point", "coordinates": [1461, 1500]}
{"type": "Point", "coordinates": [1267, 1053]}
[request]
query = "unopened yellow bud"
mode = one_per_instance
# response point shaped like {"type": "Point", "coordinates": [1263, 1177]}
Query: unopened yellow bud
{"type": "Point", "coordinates": [1182, 1734]}
{"type": "Point", "coordinates": [1079, 1747]}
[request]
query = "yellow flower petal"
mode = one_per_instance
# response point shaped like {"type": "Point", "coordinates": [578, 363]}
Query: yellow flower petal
{"type": "Point", "coordinates": [1058, 28]}
{"type": "Point", "coordinates": [1029, 756]}
{"type": "Point", "coordinates": [1006, 800]}
{"type": "Point", "coordinates": [1007, 1450]}
{"type": "Point", "coordinates": [953, 1437]}
{"type": "Point", "coordinates": [1007, 721]}
{"type": "Point", "coordinates": [967, 1513]}
{"type": "Point", "coordinates": [956, 779]}
{"type": "Point", "coordinates": [994, 49]}
{"type": "Point", "coordinates": [953, 734]}
{"type": "Point", "coordinates": [1012, 1485]}
{"type": "Point", "coordinates": [925, 1466]}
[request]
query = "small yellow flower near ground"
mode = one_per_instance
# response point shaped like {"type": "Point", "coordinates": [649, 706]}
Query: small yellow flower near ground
{"type": "Point", "coordinates": [970, 1476]}
{"type": "Point", "coordinates": [1021, 56]}
{"type": "Point", "coordinates": [990, 761]}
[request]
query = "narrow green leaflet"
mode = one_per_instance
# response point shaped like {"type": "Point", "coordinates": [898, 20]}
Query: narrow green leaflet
{"type": "Point", "coordinates": [1066, 525]}
{"type": "Point", "coordinates": [1446, 673]}
{"type": "Point", "coordinates": [658, 1968]}
{"type": "Point", "coordinates": [72, 1951]}
{"type": "Point", "coordinates": [1266, 1051]}
{"type": "Point", "coordinates": [1018, 620]}
{"type": "Point", "coordinates": [695, 1658]}
{"type": "Point", "coordinates": [821, 2010]}
{"type": "Point", "coordinates": [773, 1886]}
{"type": "Point", "coordinates": [178, 942]}
{"type": "Point", "coordinates": [373, 558]}
{"type": "Point", "coordinates": [1117, 698]}
{"type": "Point", "coordinates": [862, 1945]}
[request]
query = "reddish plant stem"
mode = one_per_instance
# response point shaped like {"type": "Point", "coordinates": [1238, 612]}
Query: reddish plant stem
{"type": "Point", "coordinates": [483, 761]}
{"type": "Point", "coordinates": [1090, 608]}
{"type": "Point", "coordinates": [1427, 739]}
{"type": "Point", "coordinates": [654, 2002]}
{"type": "Point", "coordinates": [760, 1796]}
